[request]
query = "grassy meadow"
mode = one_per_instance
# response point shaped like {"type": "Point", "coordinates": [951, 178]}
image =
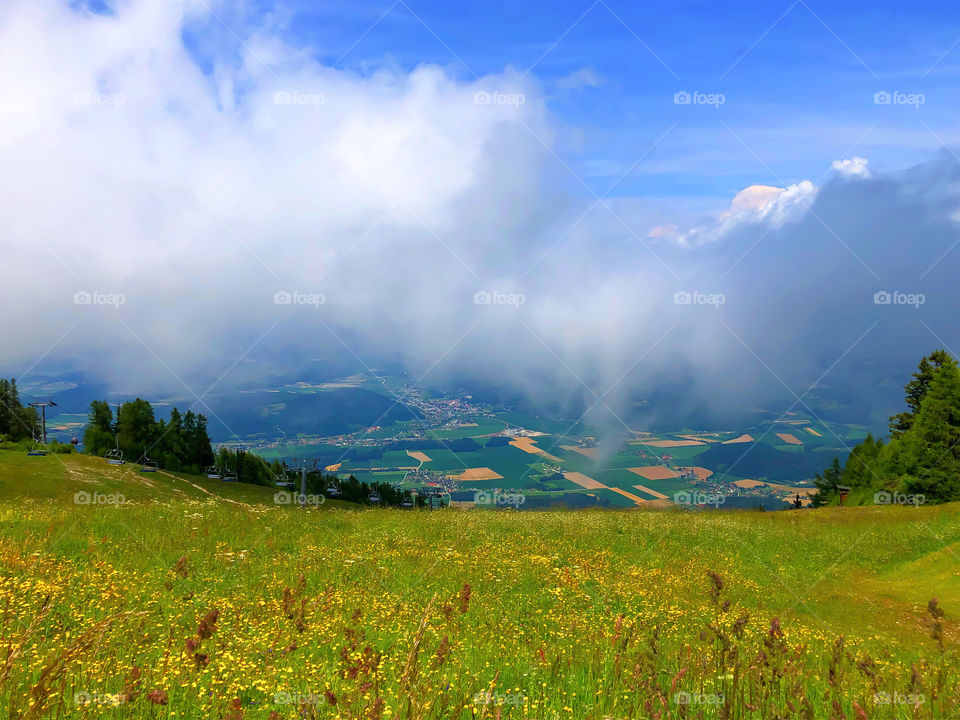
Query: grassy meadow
{"type": "Point", "coordinates": [127, 595]}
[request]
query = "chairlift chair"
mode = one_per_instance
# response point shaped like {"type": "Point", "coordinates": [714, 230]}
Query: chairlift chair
{"type": "Point", "coordinates": [230, 477]}
{"type": "Point", "coordinates": [115, 456]}
{"type": "Point", "coordinates": [333, 490]}
{"type": "Point", "coordinates": [375, 498]}
{"type": "Point", "coordinates": [213, 472]}
{"type": "Point", "coordinates": [148, 465]}
{"type": "Point", "coordinates": [37, 449]}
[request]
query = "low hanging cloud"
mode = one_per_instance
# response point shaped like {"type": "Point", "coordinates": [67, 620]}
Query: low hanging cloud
{"type": "Point", "coordinates": [166, 220]}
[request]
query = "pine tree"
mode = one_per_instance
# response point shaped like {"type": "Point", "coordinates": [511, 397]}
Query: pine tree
{"type": "Point", "coordinates": [827, 484]}
{"type": "Point", "coordinates": [9, 407]}
{"type": "Point", "coordinates": [917, 389]}
{"type": "Point", "coordinates": [16, 421]}
{"type": "Point", "coordinates": [936, 439]}
{"type": "Point", "coordinates": [136, 428]}
{"type": "Point", "coordinates": [864, 465]}
{"type": "Point", "coordinates": [98, 437]}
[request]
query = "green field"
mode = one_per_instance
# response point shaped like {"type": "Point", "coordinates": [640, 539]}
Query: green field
{"type": "Point", "coordinates": [768, 458]}
{"type": "Point", "coordinates": [459, 614]}
{"type": "Point", "coordinates": [626, 480]}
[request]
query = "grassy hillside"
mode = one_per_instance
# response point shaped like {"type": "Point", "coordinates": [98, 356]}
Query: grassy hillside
{"type": "Point", "coordinates": [194, 598]}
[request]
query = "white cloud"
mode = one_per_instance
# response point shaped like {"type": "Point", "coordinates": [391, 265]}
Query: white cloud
{"type": "Point", "coordinates": [755, 204]}
{"type": "Point", "coordinates": [755, 197]}
{"type": "Point", "coordinates": [852, 167]}
{"type": "Point", "coordinates": [198, 195]}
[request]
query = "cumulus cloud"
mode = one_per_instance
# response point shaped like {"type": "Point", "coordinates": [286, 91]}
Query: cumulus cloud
{"type": "Point", "coordinates": [170, 216]}
{"type": "Point", "coordinates": [755, 197]}
{"type": "Point", "coordinates": [855, 167]}
{"type": "Point", "coordinates": [755, 204]}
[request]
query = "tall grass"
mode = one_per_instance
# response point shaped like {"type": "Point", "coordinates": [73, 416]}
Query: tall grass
{"type": "Point", "coordinates": [196, 608]}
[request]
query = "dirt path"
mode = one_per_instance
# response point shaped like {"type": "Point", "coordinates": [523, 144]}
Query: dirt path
{"type": "Point", "coordinates": [201, 489]}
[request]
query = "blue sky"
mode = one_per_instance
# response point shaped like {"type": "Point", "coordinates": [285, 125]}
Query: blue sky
{"type": "Point", "coordinates": [798, 79]}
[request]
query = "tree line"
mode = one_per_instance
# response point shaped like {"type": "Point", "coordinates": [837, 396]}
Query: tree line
{"type": "Point", "coordinates": [180, 443]}
{"type": "Point", "coordinates": [922, 457]}
{"type": "Point", "coordinates": [17, 422]}
{"type": "Point", "coordinates": [351, 489]}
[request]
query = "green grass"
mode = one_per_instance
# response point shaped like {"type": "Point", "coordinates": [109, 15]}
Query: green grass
{"type": "Point", "coordinates": [400, 614]}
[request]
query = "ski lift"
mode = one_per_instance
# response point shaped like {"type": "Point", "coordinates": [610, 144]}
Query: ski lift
{"type": "Point", "coordinates": [37, 449]}
{"type": "Point", "coordinates": [333, 490]}
{"type": "Point", "coordinates": [282, 480]}
{"type": "Point", "coordinates": [148, 465]}
{"type": "Point", "coordinates": [375, 498]}
{"type": "Point", "coordinates": [213, 472]}
{"type": "Point", "coordinates": [408, 503]}
{"type": "Point", "coordinates": [230, 477]}
{"type": "Point", "coordinates": [115, 456]}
